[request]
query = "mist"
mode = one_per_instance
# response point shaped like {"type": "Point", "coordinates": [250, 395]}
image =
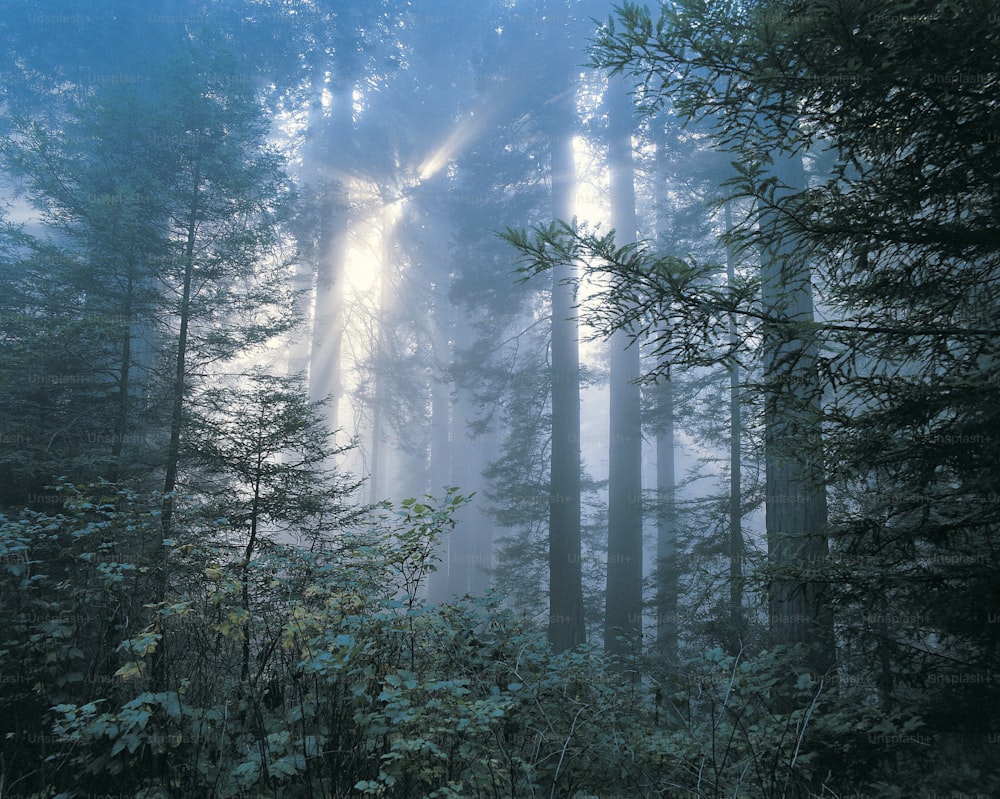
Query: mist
{"type": "Point", "coordinates": [513, 398]}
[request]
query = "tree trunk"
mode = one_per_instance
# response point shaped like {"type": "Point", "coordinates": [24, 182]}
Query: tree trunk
{"type": "Point", "coordinates": [123, 401]}
{"type": "Point", "coordinates": [796, 510]}
{"type": "Point", "coordinates": [623, 615]}
{"type": "Point", "coordinates": [472, 538]}
{"type": "Point", "coordinates": [440, 467]}
{"type": "Point", "coordinates": [178, 390]}
{"type": "Point", "coordinates": [736, 625]}
{"type": "Point", "coordinates": [480, 523]}
{"type": "Point", "coordinates": [380, 451]}
{"type": "Point", "coordinates": [667, 572]}
{"type": "Point", "coordinates": [566, 627]}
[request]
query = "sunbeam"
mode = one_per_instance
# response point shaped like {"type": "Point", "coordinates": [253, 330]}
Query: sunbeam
{"type": "Point", "coordinates": [457, 140]}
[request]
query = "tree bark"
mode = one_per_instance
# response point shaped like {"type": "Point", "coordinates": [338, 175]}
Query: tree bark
{"type": "Point", "coordinates": [472, 538]}
{"type": "Point", "coordinates": [566, 627]}
{"type": "Point", "coordinates": [440, 467]}
{"type": "Point", "coordinates": [796, 512]}
{"type": "Point", "coordinates": [736, 624]}
{"type": "Point", "coordinates": [623, 614]}
{"type": "Point", "coordinates": [123, 401]}
{"type": "Point", "coordinates": [379, 449]}
{"type": "Point", "coordinates": [178, 389]}
{"type": "Point", "coordinates": [667, 572]}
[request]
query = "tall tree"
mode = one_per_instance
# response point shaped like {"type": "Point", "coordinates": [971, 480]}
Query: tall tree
{"type": "Point", "coordinates": [667, 576]}
{"type": "Point", "coordinates": [553, 105]}
{"type": "Point", "coordinates": [796, 516]}
{"type": "Point", "coordinates": [222, 200]}
{"type": "Point", "coordinates": [322, 59]}
{"type": "Point", "coordinates": [735, 511]}
{"type": "Point", "coordinates": [623, 617]}
{"type": "Point", "coordinates": [666, 571]}
{"type": "Point", "coordinates": [796, 501]}
{"type": "Point", "coordinates": [566, 628]}
{"type": "Point", "coordinates": [99, 249]}
{"type": "Point", "coordinates": [498, 340]}
{"type": "Point", "coordinates": [896, 252]}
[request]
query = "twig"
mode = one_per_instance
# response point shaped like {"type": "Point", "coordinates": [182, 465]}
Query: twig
{"type": "Point", "coordinates": [562, 755]}
{"type": "Point", "coordinates": [805, 723]}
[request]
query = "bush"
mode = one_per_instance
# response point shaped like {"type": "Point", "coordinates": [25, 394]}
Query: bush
{"type": "Point", "coordinates": [358, 688]}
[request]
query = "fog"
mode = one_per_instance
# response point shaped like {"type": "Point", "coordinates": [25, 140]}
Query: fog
{"type": "Point", "coordinates": [597, 383]}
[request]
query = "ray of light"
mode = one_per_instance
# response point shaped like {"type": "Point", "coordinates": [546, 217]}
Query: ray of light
{"type": "Point", "coordinates": [456, 141]}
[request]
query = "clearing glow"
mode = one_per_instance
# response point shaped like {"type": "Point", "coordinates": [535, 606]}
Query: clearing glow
{"type": "Point", "coordinates": [592, 204]}
{"type": "Point", "coordinates": [368, 265]}
{"type": "Point", "coordinates": [370, 239]}
{"type": "Point", "coordinates": [363, 264]}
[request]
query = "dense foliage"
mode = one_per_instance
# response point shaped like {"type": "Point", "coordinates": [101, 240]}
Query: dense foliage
{"type": "Point", "coordinates": [356, 688]}
{"type": "Point", "coordinates": [896, 373]}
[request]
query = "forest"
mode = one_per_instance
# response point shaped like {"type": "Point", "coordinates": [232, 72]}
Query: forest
{"type": "Point", "coordinates": [569, 399]}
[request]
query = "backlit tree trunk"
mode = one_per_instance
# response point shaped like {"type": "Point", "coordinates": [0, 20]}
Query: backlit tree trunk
{"type": "Point", "coordinates": [623, 614]}
{"type": "Point", "coordinates": [667, 575]}
{"type": "Point", "coordinates": [566, 628]}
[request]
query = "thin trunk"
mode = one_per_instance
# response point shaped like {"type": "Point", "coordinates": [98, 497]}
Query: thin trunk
{"type": "Point", "coordinates": [735, 475]}
{"type": "Point", "coordinates": [471, 540]}
{"type": "Point", "coordinates": [377, 440]}
{"type": "Point", "coordinates": [245, 573]}
{"type": "Point", "coordinates": [439, 583]}
{"type": "Point", "coordinates": [311, 243]}
{"type": "Point", "coordinates": [158, 665]}
{"type": "Point", "coordinates": [623, 615]}
{"type": "Point", "coordinates": [796, 510]}
{"type": "Point", "coordinates": [379, 450]}
{"type": "Point", "coordinates": [180, 369]}
{"type": "Point", "coordinates": [124, 373]}
{"type": "Point", "coordinates": [304, 283]}
{"type": "Point", "coordinates": [480, 523]}
{"type": "Point", "coordinates": [667, 572]}
{"type": "Point", "coordinates": [566, 627]}
{"type": "Point", "coordinates": [253, 710]}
